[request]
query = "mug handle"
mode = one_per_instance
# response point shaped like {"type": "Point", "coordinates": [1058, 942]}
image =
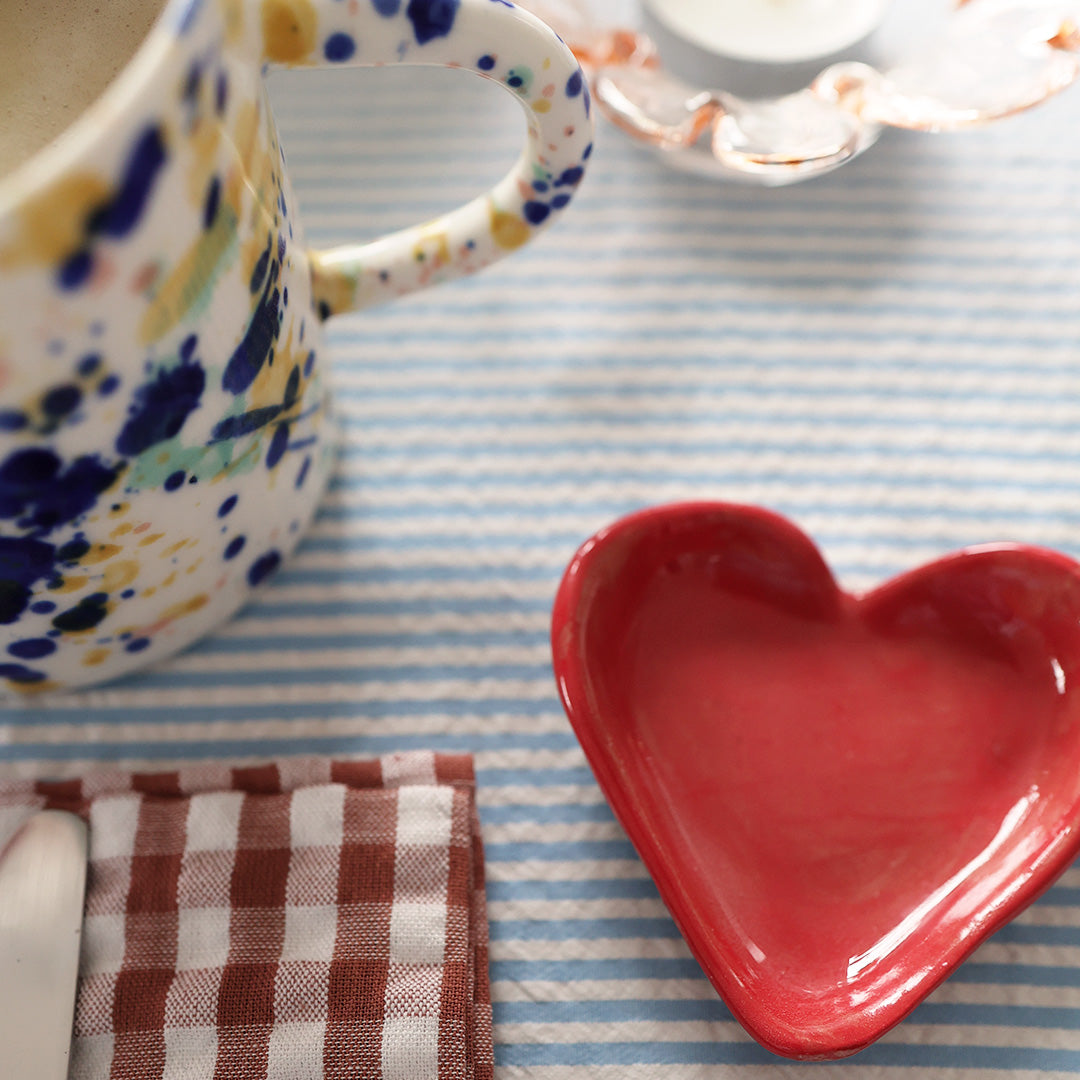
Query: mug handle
{"type": "Point", "coordinates": [496, 40]}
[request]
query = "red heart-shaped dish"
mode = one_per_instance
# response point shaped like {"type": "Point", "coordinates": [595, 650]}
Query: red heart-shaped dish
{"type": "Point", "coordinates": [838, 797]}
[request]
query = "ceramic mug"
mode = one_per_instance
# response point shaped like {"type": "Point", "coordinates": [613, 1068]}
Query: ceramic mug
{"type": "Point", "coordinates": [164, 423]}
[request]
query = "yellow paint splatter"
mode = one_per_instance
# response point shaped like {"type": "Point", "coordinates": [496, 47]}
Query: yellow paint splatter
{"type": "Point", "coordinates": [152, 538]}
{"type": "Point", "coordinates": [541, 105]}
{"type": "Point", "coordinates": [332, 286]}
{"type": "Point", "coordinates": [202, 145]}
{"type": "Point", "coordinates": [35, 687]}
{"type": "Point", "coordinates": [233, 11]}
{"type": "Point", "coordinates": [170, 580]}
{"type": "Point", "coordinates": [288, 28]}
{"type": "Point", "coordinates": [120, 574]}
{"type": "Point", "coordinates": [172, 549]}
{"type": "Point", "coordinates": [185, 283]}
{"type": "Point", "coordinates": [245, 140]}
{"type": "Point", "coordinates": [432, 244]}
{"type": "Point", "coordinates": [71, 584]}
{"type": "Point", "coordinates": [252, 174]}
{"type": "Point", "coordinates": [51, 225]}
{"type": "Point", "coordinates": [194, 566]}
{"type": "Point", "coordinates": [185, 607]}
{"type": "Point", "coordinates": [121, 530]}
{"type": "Point", "coordinates": [96, 656]}
{"type": "Point", "coordinates": [508, 230]}
{"type": "Point", "coordinates": [99, 553]}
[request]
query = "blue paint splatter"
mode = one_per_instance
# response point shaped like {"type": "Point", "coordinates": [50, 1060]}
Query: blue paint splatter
{"type": "Point", "coordinates": [119, 215]}
{"type": "Point", "coordinates": [257, 344]}
{"type": "Point", "coordinates": [191, 84]}
{"type": "Point", "coordinates": [61, 400]}
{"type": "Point", "coordinates": [570, 177]}
{"type": "Point", "coordinates": [258, 275]}
{"type": "Point", "coordinates": [227, 506]}
{"type": "Point", "coordinates": [431, 18]}
{"type": "Point", "coordinates": [387, 8]}
{"type": "Point", "coordinates": [75, 270]}
{"type": "Point", "coordinates": [221, 92]}
{"type": "Point", "coordinates": [339, 47]}
{"type": "Point", "coordinates": [32, 648]}
{"type": "Point", "coordinates": [85, 615]}
{"type": "Point", "coordinates": [187, 346]}
{"type": "Point", "coordinates": [73, 550]}
{"type": "Point", "coordinates": [13, 420]}
{"type": "Point", "coordinates": [559, 201]}
{"type": "Point", "coordinates": [138, 644]}
{"type": "Point", "coordinates": [35, 487]}
{"type": "Point", "coordinates": [486, 62]}
{"type": "Point", "coordinates": [292, 388]}
{"type": "Point", "coordinates": [42, 607]}
{"type": "Point", "coordinates": [187, 16]}
{"type": "Point", "coordinates": [263, 566]}
{"type": "Point", "coordinates": [232, 427]}
{"type": "Point", "coordinates": [23, 561]}
{"type": "Point", "coordinates": [535, 212]}
{"type": "Point", "coordinates": [108, 385]}
{"type": "Point", "coordinates": [213, 198]}
{"type": "Point", "coordinates": [574, 84]}
{"type": "Point", "coordinates": [89, 364]}
{"type": "Point", "coordinates": [301, 476]}
{"type": "Point", "coordinates": [127, 594]}
{"type": "Point", "coordinates": [160, 407]}
{"type": "Point", "coordinates": [279, 442]}
{"type": "Point", "coordinates": [234, 547]}
{"type": "Point", "coordinates": [175, 480]}
{"type": "Point", "coordinates": [18, 673]}
{"type": "Point", "coordinates": [309, 363]}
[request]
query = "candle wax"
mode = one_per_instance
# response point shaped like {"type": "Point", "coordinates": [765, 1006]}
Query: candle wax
{"type": "Point", "coordinates": [771, 31]}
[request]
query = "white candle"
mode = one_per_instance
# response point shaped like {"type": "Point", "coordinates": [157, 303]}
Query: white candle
{"type": "Point", "coordinates": [771, 31]}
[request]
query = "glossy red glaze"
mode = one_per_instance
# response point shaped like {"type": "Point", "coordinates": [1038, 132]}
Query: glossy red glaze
{"type": "Point", "coordinates": [839, 798]}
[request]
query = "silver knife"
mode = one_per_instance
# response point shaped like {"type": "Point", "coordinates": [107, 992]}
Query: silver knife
{"type": "Point", "coordinates": [42, 881]}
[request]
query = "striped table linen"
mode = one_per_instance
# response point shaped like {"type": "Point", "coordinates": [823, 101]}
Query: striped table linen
{"type": "Point", "coordinates": [890, 356]}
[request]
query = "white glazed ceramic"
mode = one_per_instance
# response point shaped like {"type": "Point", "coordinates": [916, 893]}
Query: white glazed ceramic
{"type": "Point", "coordinates": [164, 432]}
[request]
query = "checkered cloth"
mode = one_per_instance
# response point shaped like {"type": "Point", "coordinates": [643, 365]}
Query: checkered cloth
{"type": "Point", "coordinates": [287, 922]}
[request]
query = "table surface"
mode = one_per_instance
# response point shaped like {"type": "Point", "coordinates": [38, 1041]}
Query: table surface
{"type": "Point", "coordinates": [888, 356]}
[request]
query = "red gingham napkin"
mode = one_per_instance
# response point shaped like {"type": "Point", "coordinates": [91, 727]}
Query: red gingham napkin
{"type": "Point", "coordinates": [287, 922]}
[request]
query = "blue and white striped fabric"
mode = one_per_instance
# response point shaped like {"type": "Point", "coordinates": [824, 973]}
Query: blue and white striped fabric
{"type": "Point", "coordinates": [890, 356]}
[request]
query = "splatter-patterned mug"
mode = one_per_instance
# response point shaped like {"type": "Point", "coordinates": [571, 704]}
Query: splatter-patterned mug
{"type": "Point", "coordinates": [164, 430]}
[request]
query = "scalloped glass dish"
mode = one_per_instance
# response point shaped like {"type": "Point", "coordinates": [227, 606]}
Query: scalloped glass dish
{"type": "Point", "coordinates": [990, 59]}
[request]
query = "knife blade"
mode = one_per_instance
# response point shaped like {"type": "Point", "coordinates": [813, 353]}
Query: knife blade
{"type": "Point", "coordinates": [42, 882]}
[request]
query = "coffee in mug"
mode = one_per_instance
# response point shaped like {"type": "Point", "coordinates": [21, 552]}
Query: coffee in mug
{"type": "Point", "coordinates": [56, 57]}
